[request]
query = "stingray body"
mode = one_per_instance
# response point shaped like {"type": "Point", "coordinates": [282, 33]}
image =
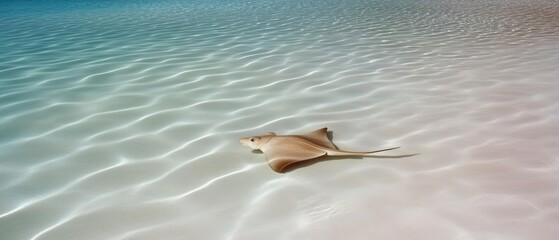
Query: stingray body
{"type": "Point", "coordinates": [284, 150]}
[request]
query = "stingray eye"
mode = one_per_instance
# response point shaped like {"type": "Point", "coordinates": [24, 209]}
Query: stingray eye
{"type": "Point", "coordinates": [252, 139]}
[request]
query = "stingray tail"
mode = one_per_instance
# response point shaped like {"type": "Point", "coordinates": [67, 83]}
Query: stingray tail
{"type": "Point", "coordinates": [348, 153]}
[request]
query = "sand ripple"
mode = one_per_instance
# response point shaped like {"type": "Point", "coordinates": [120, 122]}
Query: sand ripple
{"type": "Point", "coordinates": [120, 120]}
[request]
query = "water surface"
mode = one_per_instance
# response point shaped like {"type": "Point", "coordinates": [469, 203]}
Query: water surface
{"type": "Point", "coordinates": [121, 119]}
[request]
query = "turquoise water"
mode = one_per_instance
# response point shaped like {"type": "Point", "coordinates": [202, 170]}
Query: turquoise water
{"type": "Point", "coordinates": [121, 119]}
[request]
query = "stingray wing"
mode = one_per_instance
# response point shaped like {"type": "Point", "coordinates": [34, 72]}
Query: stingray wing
{"type": "Point", "coordinates": [285, 150]}
{"type": "Point", "coordinates": [319, 137]}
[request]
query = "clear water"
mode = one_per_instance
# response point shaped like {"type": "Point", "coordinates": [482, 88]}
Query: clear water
{"type": "Point", "coordinates": [121, 119]}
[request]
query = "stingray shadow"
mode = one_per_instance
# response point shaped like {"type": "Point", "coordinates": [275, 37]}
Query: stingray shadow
{"type": "Point", "coordinates": [330, 136]}
{"type": "Point", "coordinates": [313, 161]}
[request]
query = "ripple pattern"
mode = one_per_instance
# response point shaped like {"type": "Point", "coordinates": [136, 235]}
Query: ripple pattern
{"type": "Point", "coordinates": [120, 119]}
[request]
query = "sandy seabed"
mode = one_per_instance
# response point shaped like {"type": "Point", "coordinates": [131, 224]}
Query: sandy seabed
{"type": "Point", "coordinates": [121, 119]}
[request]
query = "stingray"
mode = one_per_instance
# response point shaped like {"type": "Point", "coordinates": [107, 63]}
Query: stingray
{"type": "Point", "coordinates": [284, 150]}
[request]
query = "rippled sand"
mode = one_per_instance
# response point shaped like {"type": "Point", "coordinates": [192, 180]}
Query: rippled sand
{"type": "Point", "coordinates": [121, 119]}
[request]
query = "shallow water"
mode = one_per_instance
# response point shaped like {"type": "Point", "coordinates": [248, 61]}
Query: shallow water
{"type": "Point", "coordinates": [121, 119]}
